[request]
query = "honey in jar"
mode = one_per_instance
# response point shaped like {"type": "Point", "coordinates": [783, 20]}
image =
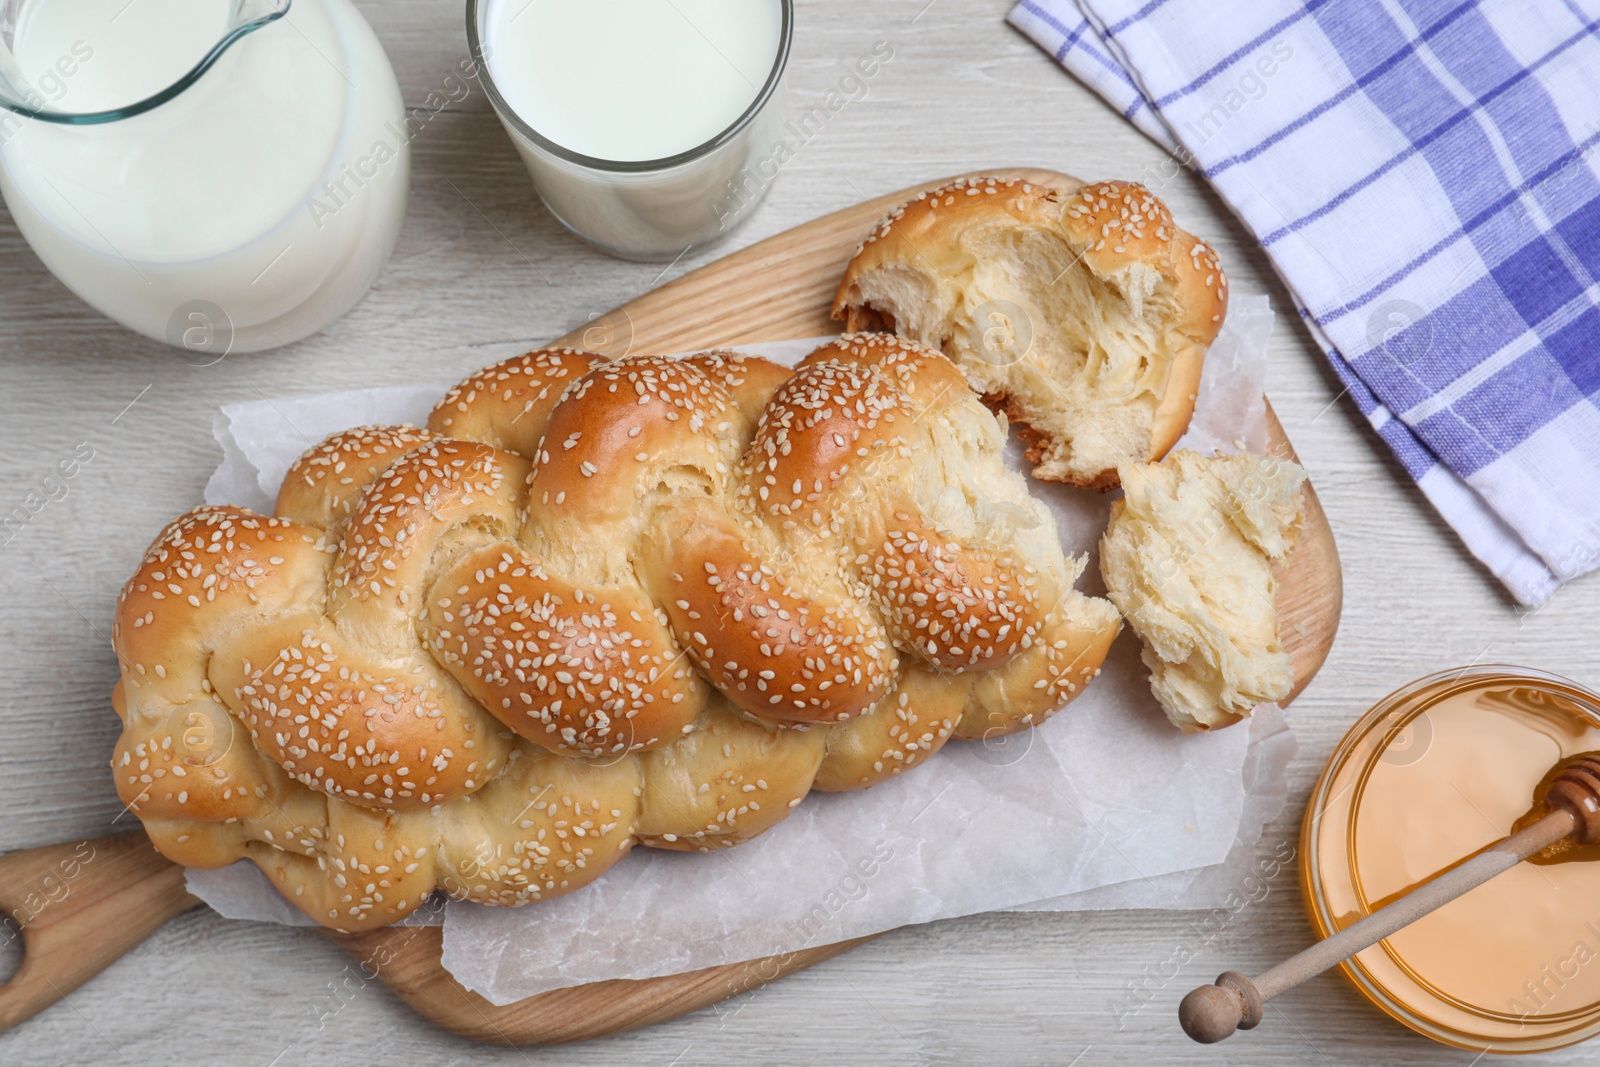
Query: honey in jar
{"type": "Point", "coordinates": [1433, 774]}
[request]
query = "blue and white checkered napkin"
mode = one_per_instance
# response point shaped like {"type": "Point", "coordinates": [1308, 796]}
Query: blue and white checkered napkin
{"type": "Point", "coordinates": [1423, 175]}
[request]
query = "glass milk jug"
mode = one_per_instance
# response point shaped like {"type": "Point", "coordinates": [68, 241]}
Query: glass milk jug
{"type": "Point", "coordinates": [222, 175]}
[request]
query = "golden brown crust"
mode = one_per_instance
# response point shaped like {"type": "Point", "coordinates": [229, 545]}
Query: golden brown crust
{"type": "Point", "coordinates": [323, 486]}
{"type": "Point", "coordinates": [828, 418]}
{"type": "Point", "coordinates": [725, 782]}
{"type": "Point", "coordinates": [930, 271]}
{"type": "Point", "coordinates": [749, 380]}
{"type": "Point", "coordinates": [388, 550]}
{"type": "Point", "coordinates": [658, 603]}
{"type": "Point", "coordinates": [1050, 673]}
{"type": "Point", "coordinates": [984, 608]}
{"type": "Point", "coordinates": [923, 375]}
{"type": "Point", "coordinates": [506, 405]}
{"type": "Point", "coordinates": [899, 732]}
{"type": "Point", "coordinates": [581, 672]}
{"type": "Point", "coordinates": [620, 429]}
{"type": "Point", "coordinates": [779, 652]}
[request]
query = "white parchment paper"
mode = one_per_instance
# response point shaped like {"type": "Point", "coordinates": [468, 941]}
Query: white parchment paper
{"type": "Point", "coordinates": [1104, 806]}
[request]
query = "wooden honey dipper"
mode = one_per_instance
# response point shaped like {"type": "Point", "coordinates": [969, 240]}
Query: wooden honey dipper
{"type": "Point", "coordinates": [1571, 806]}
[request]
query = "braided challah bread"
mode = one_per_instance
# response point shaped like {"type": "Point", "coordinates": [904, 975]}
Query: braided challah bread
{"type": "Point", "coordinates": [593, 604]}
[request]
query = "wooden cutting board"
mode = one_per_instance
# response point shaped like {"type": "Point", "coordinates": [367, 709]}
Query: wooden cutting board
{"type": "Point", "coordinates": [81, 906]}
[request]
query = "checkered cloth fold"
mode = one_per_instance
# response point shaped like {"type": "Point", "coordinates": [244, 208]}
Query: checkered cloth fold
{"type": "Point", "coordinates": [1423, 175]}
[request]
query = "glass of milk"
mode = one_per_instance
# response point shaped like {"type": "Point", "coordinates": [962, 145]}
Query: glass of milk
{"type": "Point", "coordinates": [644, 123]}
{"type": "Point", "coordinates": [217, 182]}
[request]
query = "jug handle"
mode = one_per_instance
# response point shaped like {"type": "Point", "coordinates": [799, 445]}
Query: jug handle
{"type": "Point", "coordinates": [80, 907]}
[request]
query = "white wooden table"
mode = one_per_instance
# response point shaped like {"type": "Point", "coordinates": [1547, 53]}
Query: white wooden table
{"type": "Point", "coordinates": [482, 273]}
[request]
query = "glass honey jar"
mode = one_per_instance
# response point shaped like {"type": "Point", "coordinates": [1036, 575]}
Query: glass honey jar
{"type": "Point", "coordinates": [1434, 773]}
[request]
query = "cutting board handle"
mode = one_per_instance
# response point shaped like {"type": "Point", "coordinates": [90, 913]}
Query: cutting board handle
{"type": "Point", "coordinates": [80, 907]}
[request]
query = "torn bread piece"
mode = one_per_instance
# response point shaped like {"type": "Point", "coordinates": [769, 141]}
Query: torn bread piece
{"type": "Point", "coordinates": [1082, 313]}
{"type": "Point", "coordinates": [1188, 559]}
